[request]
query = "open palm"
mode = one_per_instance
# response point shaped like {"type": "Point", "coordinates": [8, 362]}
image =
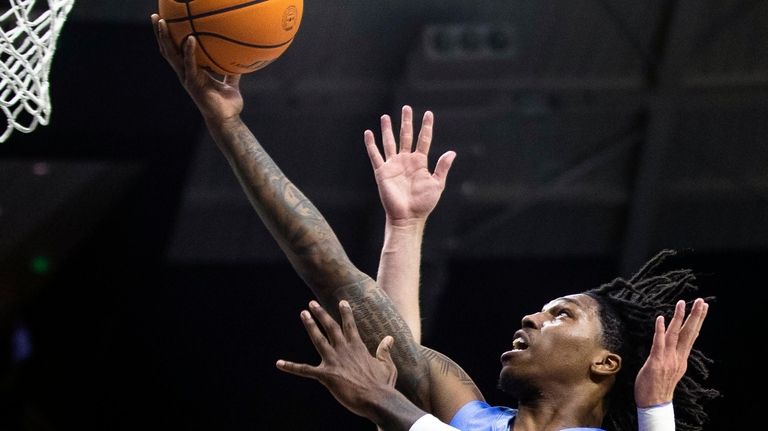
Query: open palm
{"type": "Point", "coordinates": [668, 358]}
{"type": "Point", "coordinates": [407, 189]}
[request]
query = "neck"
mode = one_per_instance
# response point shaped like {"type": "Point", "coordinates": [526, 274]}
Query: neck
{"type": "Point", "coordinates": [552, 413]}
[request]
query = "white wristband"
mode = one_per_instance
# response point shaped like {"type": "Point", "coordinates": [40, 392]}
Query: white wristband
{"type": "Point", "coordinates": [431, 423]}
{"type": "Point", "coordinates": [656, 418]}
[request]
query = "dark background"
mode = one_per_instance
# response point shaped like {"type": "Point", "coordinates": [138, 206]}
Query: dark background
{"type": "Point", "coordinates": [139, 290]}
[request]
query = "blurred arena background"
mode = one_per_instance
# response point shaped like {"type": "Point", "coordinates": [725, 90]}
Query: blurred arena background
{"type": "Point", "coordinates": [138, 289]}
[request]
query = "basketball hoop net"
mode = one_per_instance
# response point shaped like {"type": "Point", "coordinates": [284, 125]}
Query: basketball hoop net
{"type": "Point", "coordinates": [27, 42]}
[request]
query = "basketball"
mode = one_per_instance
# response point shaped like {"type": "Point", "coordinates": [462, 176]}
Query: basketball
{"type": "Point", "coordinates": [234, 36]}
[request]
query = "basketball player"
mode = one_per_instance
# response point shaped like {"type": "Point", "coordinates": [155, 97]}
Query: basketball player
{"type": "Point", "coordinates": [572, 364]}
{"type": "Point", "coordinates": [364, 384]}
{"type": "Point", "coordinates": [409, 193]}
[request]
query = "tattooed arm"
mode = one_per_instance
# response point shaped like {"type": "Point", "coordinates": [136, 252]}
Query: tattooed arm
{"type": "Point", "coordinates": [409, 193]}
{"type": "Point", "coordinates": [433, 383]}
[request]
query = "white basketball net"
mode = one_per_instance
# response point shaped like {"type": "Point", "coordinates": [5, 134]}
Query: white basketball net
{"type": "Point", "coordinates": [27, 42]}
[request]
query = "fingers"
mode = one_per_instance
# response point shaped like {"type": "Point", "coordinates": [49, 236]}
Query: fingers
{"type": "Point", "coordinates": [160, 28]}
{"type": "Point", "coordinates": [692, 326]}
{"type": "Point", "coordinates": [315, 335]}
{"type": "Point", "coordinates": [406, 129]}
{"type": "Point", "coordinates": [444, 164]}
{"type": "Point", "coordinates": [384, 354]}
{"type": "Point", "coordinates": [384, 351]}
{"type": "Point", "coordinates": [303, 370]}
{"type": "Point", "coordinates": [348, 322]}
{"type": "Point", "coordinates": [673, 329]}
{"type": "Point", "coordinates": [425, 133]}
{"type": "Point", "coordinates": [182, 58]}
{"type": "Point", "coordinates": [335, 336]}
{"type": "Point", "coordinates": [155, 26]}
{"type": "Point", "coordinates": [658, 347]}
{"type": "Point", "coordinates": [190, 61]}
{"type": "Point", "coordinates": [406, 136]}
{"type": "Point", "coordinates": [166, 46]}
{"type": "Point", "coordinates": [373, 151]}
{"type": "Point", "coordinates": [387, 137]}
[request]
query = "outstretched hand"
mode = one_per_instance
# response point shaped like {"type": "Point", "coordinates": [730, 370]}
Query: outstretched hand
{"type": "Point", "coordinates": [668, 358]}
{"type": "Point", "coordinates": [408, 191]}
{"type": "Point", "coordinates": [354, 377]}
{"type": "Point", "coordinates": [217, 100]}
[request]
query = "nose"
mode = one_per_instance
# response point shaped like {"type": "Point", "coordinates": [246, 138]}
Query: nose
{"type": "Point", "coordinates": [530, 321]}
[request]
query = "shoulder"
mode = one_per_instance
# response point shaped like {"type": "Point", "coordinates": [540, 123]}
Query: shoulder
{"type": "Point", "coordinates": [480, 416]}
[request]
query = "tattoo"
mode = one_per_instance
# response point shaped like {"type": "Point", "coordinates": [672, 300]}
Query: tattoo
{"type": "Point", "coordinates": [318, 257]}
{"type": "Point", "coordinates": [376, 318]}
{"type": "Point", "coordinates": [297, 225]}
{"type": "Point", "coordinates": [446, 365]}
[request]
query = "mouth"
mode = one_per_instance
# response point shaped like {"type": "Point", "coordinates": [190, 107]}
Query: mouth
{"type": "Point", "coordinates": [520, 342]}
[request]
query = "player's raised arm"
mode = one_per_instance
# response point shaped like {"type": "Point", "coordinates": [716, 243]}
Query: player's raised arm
{"type": "Point", "coordinates": [308, 241]}
{"type": "Point", "coordinates": [409, 192]}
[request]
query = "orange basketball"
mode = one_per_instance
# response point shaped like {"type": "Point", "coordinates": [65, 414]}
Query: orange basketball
{"type": "Point", "coordinates": [234, 36]}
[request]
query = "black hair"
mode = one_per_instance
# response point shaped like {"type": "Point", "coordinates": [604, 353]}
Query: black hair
{"type": "Point", "coordinates": [628, 310]}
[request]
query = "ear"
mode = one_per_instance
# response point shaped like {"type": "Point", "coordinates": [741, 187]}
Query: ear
{"type": "Point", "coordinates": [606, 364]}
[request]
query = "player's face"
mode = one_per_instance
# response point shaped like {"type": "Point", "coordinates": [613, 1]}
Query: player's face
{"type": "Point", "coordinates": [557, 344]}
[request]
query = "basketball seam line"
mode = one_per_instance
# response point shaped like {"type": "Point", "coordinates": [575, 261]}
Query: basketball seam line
{"type": "Point", "coordinates": [239, 42]}
{"type": "Point", "coordinates": [215, 12]}
{"type": "Point", "coordinates": [202, 45]}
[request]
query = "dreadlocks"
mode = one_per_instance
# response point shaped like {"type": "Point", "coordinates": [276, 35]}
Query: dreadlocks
{"type": "Point", "coordinates": [628, 309]}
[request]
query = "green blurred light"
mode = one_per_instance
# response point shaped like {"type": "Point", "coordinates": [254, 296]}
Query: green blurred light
{"type": "Point", "coordinates": [40, 265]}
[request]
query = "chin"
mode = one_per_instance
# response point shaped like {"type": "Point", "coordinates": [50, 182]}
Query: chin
{"type": "Point", "coordinates": [516, 387]}
{"type": "Point", "coordinates": [508, 384]}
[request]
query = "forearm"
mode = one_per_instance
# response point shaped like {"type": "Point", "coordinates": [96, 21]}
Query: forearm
{"type": "Point", "coordinates": [377, 317]}
{"type": "Point", "coordinates": [399, 270]}
{"type": "Point", "coordinates": [298, 227]}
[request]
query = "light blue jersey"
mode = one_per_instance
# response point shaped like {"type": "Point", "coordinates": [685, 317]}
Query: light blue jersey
{"type": "Point", "coordinates": [480, 416]}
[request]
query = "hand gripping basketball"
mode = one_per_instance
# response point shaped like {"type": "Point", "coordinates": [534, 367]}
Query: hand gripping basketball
{"type": "Point", "coordinates": [234, 36]}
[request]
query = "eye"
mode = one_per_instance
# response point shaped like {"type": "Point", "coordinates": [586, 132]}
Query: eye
{"type": "Point", "coordinates": [563, 312]}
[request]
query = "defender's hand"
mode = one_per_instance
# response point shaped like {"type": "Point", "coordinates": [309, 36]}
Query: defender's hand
{"type": "Point", "coordinates": [668, 359]}
{"type": "Point", "coordinates": [356, 379]}
{"type": "Point", "coordinates": [408, 191]}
